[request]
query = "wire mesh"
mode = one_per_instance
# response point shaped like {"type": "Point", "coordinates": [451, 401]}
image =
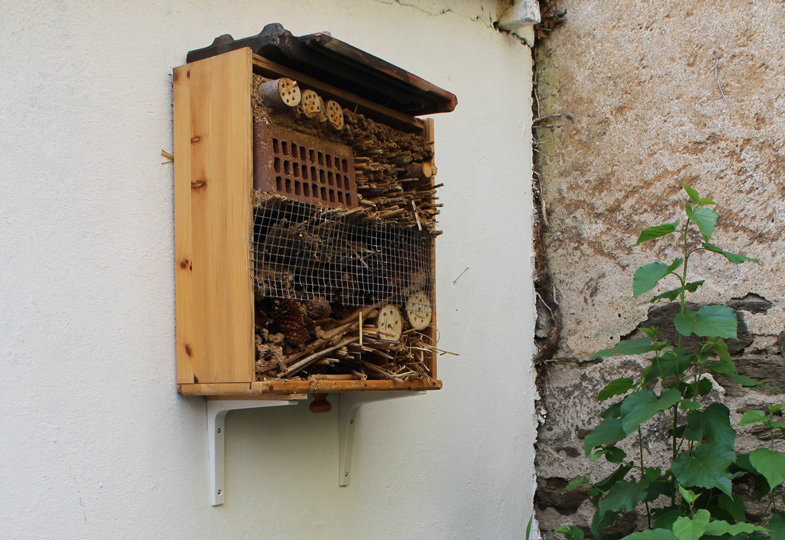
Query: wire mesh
{"type": "Point", "coordinates": [304, 251]}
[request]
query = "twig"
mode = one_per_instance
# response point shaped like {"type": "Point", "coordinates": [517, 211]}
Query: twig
{"type": "Point", "coordinates": [315, 356]}
{"type": "Point", "coordinates": [166, 155]}
{"type": "Point", "coordinates": [459, 275]}
{"type": "Point", "coordinates": [716, 55]}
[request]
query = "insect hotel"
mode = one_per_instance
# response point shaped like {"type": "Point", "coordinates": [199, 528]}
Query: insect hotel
{"type": "Point", "coordinates": [305, 220]}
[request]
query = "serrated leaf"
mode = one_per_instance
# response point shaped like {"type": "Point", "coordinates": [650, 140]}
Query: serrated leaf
{"type": "Point", "coordinates": [691, 528]}
{"type": "Point", "coordinates": [646, 277]}
{"type": "Point", "coordinates": [692, 192]}
{"type": "Point", "coordinates": [712, 425]}
{"type": "Point", "coordinates": [720, 527]}
{"type": "Point", "coordinates": [704, 218]}
{"type": "Point", "coordinates": [609, 431]}
{"type": "Point", "coordinates": [710, 321]}
{"type": "Point", "coordinates": [641, 406]}
{"type": "Point", "coordinates": [628, 346]}
{"type": "Point", "coordinates": [732, 257]}
{"type": "Point", "coordinates": [578, 482]}
{"type": "Point", "coordinates": [673, 294]}
{"type": "Point", "coordinates": [651, 534]}
{"type": "Point", "coordinates": [570, 532]}
{"type": "Point", "coordinates": [771, 465]}
{"type": "Point", "coordinates": [616, 387]}
{"type": "Point", "coordinates": [657, 231]}
{"type": "Point", "coordinates": [752, 417]}
{"type": "Point", "coordinates": [777, 526]}
{"type": "Point", "coordinates": [707, 468]}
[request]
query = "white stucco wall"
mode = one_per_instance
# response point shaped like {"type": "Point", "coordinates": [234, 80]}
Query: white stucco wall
{"type": "Point", "coordinates": [95, 442]}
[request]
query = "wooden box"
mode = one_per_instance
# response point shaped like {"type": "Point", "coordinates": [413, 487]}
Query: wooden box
{"type": "Point", "coordinates": [213, 212]}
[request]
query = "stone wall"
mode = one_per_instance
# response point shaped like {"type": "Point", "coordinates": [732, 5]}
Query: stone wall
{"type": "Point", "coordinates": [633, 98]}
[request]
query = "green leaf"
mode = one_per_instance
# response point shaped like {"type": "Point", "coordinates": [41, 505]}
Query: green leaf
{"type": "Point", "coordinates": [614, 411]}
{"type": "Point", "coordinates": [641, 406]}
{"type": "Point", "coordinates": [692, 193]}
{"type": "Point", "coordinates": [704, 218]}
{"type": "Point", "coordinates": [673, 294]}
{"type": "Point", "coordinates": [725, 365]}
{"type": "Point", "coordinates": [578, 482]}
{"type": "Point", "coordinates": [689, 405]}
{"type": "Point", "coordinates": [615, 455]}
{"type": "Point", "coordinates": [752, 417]}
{"type": "Point", "coordinates": [609, 431]}
{"type": "Point", "coordinates": [732, 257]}
{"type": "Point", "coordinates": [616, 387]}
{"type": "Point", "coordinates": [777, 526]}
{"type": "Point", "coordinates": [623, 496]}
{"type": "Point", "coordinates": [651, 332]}
{"type": "Point", "coordinates": [732, 506]}
{"type": "Point", "coordinates": [769, 464]}
{"type": "Point", "coordinates": [689, 496]}
{"type": "Point", "coordinates": [703, 387]}
{"type": "Point", "coordinates": [628, 346]}
{"type": "Point", "coordinates": [570, 532]}
{"type": "Point", "coordinates": [707, 468]}
{"type": "Point", "coordinates": [620, 472]}
{"type": "Point", "coordinates": [611, 453]}
{"type": "Point", "coordinates": [665, 517]}
{"type": "Point", "coordinates": [720, 527]}
{"type": "Point", "coordinates": [669, 364]}
{"type": "Point", "coordinates": [651, 233]}
{"type": "Point", "coordinates": [712, 425]}
{"type": "Point", "coordinates": [646, 277]}
{"type": "Point", "coordinates": [709, 321]}
{"type": "Point", "coordinates": [651, 534]}
{"type": "Point", "coordinates": [692, 529]}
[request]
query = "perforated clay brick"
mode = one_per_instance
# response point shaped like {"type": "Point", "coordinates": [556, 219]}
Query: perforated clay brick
{"type": "Point", "coordinates": [303, 167]}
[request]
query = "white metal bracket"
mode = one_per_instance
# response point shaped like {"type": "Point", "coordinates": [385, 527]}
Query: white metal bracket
{"type": "Point", "coordinates": [216, 434]}
{"type": "Point", "coordinates": [348, 406]}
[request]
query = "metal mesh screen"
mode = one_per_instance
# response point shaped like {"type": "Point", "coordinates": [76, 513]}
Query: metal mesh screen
{"type": "Point", "coordinates": [305, 251]}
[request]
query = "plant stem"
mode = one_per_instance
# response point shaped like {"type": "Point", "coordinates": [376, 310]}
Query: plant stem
{"type": "Point", "coordinates": [640, 449]}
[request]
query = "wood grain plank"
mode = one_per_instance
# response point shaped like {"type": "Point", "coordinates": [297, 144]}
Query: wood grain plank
{"type": "Point", "coordinates": [183, 276]}
{"type": "Point", "coordinates": [216, 320]}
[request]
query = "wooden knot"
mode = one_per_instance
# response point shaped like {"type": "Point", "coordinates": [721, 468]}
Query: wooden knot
{"type": "Point", "coordinates": [199, 184]}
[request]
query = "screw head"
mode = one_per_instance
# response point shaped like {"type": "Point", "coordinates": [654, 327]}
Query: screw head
{"type": "Point", "coordinates": [218, 430]}
{"type": "Point", "coordinates": [220, 491]}
{"type": "Point", "coordinates": [346, 475]}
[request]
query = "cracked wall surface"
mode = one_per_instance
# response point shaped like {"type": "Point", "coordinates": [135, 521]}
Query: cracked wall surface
{"type": "Point", "coordinates": [633, 99]}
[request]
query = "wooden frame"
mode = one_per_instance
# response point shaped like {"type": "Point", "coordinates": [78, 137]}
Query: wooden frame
{"type": "Point", "coordinates": [213, 179]}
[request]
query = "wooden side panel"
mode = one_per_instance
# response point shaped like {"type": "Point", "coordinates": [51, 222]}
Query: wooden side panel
{"type": "Point", "coordinates": [430, 137]}
{"type": "Point", "coordinates": [213, 181]}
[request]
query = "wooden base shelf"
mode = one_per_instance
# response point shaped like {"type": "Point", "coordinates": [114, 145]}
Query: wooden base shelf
{"type": "Point", "coordinates": [294, 389]}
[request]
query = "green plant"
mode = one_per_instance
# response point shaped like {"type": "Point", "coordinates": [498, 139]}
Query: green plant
{"type": "Point", "coordinates": [690, 496]}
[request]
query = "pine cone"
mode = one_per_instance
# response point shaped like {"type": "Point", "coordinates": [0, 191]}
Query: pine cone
{"type": "Point", "coordinates": [289, 318]}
